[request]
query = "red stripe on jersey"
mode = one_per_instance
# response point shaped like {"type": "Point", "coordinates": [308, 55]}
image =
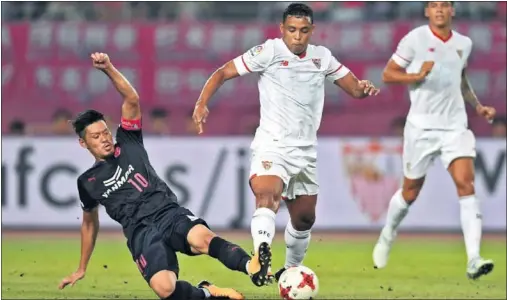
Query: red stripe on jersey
{"type": "Point", "coordinates": [131, 124]}
{"type": "Point", "coordinates": [243, 60]}
{"type": "Point", "coordinates": [440, 37]}
{"type": "Point", "coordinates": [402, 57]}
{"type": "Point", "coordinates": [335, 70]}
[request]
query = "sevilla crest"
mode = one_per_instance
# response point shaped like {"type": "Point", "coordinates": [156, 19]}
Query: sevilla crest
{"type": "Point", "coordinates": [316, 62]}
{"type": "Point", "coordinates": [374, 171]}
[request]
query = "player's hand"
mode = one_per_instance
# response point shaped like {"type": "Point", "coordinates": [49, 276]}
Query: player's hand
{"type": "Point", "coordinates": [426, 68]}
{"type": "Point", "coordinates": [368, 88]}
{"type": "Point", "coordinates": [200, 114]}
{"type": "Point", "coordinates": [72, 279]}
{"type": "Point", "coordinates": [101, 61]}
{"type": "Point", "coordinates": [487, 112]}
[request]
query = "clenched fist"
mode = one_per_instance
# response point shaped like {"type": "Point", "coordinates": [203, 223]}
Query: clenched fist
{"type": "Point", "coordinates": [426, 68]}
{"type": "Point", "coordinates": [101, 61]}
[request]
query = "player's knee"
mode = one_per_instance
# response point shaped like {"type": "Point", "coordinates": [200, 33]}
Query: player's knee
{"type": "Point", "coordinates": [163, 288]}
{"type": "Point", "coordinates": [465, 186]}
{"type": "Point", "coordinates": [410, 195]}
{"type": "Point", "coordinates": [199, 238]}
{"type": "Point", "coordinates": [411, 189]}
{"type": "Point", "coordinates": [268, 197]}
{"type": "Point", "coordinates": [267, 191]}
{"type": "Point", "coordinates": [203, 246]}
{"type": "Point", "coordinates": [303, 222]}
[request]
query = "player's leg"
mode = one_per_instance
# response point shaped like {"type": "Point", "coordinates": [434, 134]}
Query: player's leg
{"type": "Point", "coordinates": [458, 156]}
{"type": "Point", "coordinates": [301, 205]}
{"type": "Point", "coordinates": [419, 150]}
{"type": "Point", "coordinates": [159, 266]}
{"type": "Point", "coordinates": [203, 241]}
{"type": "Point", "coordinates": [298, 230]}
{"type": "Point", "coordinates": [191, 235]}
{"type": "Point", "coordinates": [268, 178]}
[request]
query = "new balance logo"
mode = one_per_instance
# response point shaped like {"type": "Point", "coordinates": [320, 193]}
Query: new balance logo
{"type": "Point", "coordinates": [117, 180]}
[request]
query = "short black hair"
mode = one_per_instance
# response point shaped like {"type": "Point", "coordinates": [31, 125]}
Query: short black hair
{"type": "Point", "coordinates": [62, 113]}
{"type": "Point", "coordinates": [84, 119]}
{"type": "Point", "coordinates": [17, 127]}
{"type": "Point", "coordinates": [500, 120]}
{"type": "Point", "coordinates": [428, 3]}
{"type": "Point", "coordinates": [158, 112]}
{"type": "Point", "coordinates": [298, 10]}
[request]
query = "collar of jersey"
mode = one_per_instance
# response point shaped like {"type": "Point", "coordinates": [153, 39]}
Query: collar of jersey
{"type": "Point", "coordinates": [301, 56]}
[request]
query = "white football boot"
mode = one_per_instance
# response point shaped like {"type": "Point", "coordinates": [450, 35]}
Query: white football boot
{"type": "Point", "coordinates": [383, 247]}
{"type": "Point", "coordinates": [478, 267]}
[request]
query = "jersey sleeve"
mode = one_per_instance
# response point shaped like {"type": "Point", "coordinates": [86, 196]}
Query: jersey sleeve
{"type": "Point", "coordinates": [405, 51]}
{"type": "Point", "coordinates": [335, 70]}
{"type": "Point", "coordinates": [256, 59]}
{"type": "Point", "coordinates": [130, 131]}
{"type": "Point", "coordinates": [87, 202]}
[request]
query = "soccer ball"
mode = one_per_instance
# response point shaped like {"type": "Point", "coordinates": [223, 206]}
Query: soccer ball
{"type": "Point", "coordinates": [298, 283]}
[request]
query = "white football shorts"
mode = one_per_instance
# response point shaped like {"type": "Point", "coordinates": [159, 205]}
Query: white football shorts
{"type": "Point", "coordinates": [296, 166]}
{"type": "Point", "coordinates": [422, 146]}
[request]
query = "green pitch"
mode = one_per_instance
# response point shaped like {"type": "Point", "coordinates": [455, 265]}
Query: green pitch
{"type": "Point", "coordinates": [419, 268]}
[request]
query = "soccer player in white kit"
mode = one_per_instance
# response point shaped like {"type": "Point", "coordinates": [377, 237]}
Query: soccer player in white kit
{"type": "Point", "coordinates": [284, 157]}
{"type": "Point", "coordinates": [431, 60]}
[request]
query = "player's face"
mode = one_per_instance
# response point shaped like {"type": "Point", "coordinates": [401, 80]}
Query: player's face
{"type": "Point", "coordinates": [296, 33]}
{"type": "Point", "coordinates": [98, 140]}
{"type": "Point", "coordinates": [439, 13]}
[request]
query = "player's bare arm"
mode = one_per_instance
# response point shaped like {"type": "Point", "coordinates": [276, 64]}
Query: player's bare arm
{"type": "Point", "coordinates": [131, 109]}
{"type": "Point", "coordinates": [395, 74]}
{"type": "Point", "coordinates": [221, 75]}
{"type": "Point", "coordinates": [470, 97]}
{"type": "Point", "coordinates": [356, 88]}
{"type": "Point", "coordinates": [89, 232]}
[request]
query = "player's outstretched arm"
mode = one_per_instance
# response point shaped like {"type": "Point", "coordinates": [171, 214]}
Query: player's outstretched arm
{"type": "Point", "coordinates": [89, 232]}
{"type": "Point", "coordinates": [131, 109]}
{"type": "Point", "coordinates": [396, 74]}
{"type": "Point", "coordinates": [221, 75]}
{"type": "Point", "coordinates": [356, 88]}
{"type": "Point", "coordinates": [470, 97]}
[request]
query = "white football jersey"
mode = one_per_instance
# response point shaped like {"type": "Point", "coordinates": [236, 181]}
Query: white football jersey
{"type": "Point", "coordinates": [291, 90]}
{"type": "Point", "coordinates": [437, 102]}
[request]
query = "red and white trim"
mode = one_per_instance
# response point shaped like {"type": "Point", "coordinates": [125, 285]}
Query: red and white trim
{"type": "Point", "coordinates": [131, 124]}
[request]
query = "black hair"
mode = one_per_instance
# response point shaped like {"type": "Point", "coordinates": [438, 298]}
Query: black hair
{"type": "Point", "coordinates": [428, 3]}
{"type": "Point", "coordinates": [84, 119]}
{"type": "Point", "coordinates": [298, 10]}
{"type": "Point", "coordinates": [158, 113]}
{"type": "Point", "coordinates": [500, 120]}
{"type": "Point", "coordinates": [17, 127]}
{"type": "Point", "coordinates": [62, 113]}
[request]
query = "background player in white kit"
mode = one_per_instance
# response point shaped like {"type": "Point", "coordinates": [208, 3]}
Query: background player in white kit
{"type": "Point", "coordinates": [431, 59]}
{"type": "Point", "coordinates": [291, 90]}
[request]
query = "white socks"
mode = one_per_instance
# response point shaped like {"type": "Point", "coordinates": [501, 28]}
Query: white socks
{"type": "Point", "coordinates": [262, 227]}
{"type": "Point", "coordinates": [297, 243]}
{"type": "Point", "coordinates": [398, 209]}
{"type": "Point", "coordinates": [471, 220]}
{"type": "Point", "coordinates": [471, 224]}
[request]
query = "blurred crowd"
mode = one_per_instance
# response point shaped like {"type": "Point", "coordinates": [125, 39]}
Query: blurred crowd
{"type": "Point", "coordinates": [233, 11]}
{"type": "Point", "coordinates": [159, 121]}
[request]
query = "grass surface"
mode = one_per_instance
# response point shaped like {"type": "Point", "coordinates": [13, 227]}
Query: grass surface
{"type": "Point", "coordinates": [431, 268]}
